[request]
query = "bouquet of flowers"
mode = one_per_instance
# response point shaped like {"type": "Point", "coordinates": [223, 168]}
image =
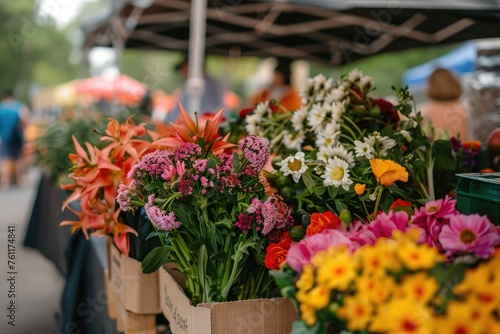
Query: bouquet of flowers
{"type": "Point", "coordinates": [397, 274]}
{"type": "Point", "coordinates": [209, 209]}
{"type": "Point", "coordinates": [96, 175]}
{"type": "Point", "coordinates": [343, 139]}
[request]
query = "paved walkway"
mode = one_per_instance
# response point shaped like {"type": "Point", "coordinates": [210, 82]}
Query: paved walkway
{"type": "Point", "coordinates": [37, 283]}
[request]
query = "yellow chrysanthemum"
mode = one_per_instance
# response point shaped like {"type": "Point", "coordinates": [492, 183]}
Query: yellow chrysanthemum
{"type": "Point", "coordinates": [415, 257]}
{"type": "Point", "coordinates": [357, 311]}
{"type": "Point", "coordinates": [473, 279]}
{"type": "Point", "coordinates": [419, 287]}
{"type": "Point", "coordinates": [375, 288]}
{"type": "Point", "coordinates": [337, 272]}
{"type": "Point", "coordinates": [372, 260]}
{"type": "Point", "coordinates": [458, 319]}
{"type": "Point", "coordinates": [402, 316]}
{"type": "Point", "coordinates": [306, 278]}
{"type": "Point", "coordinates": [319, 297]}
{"type": "Point", "coordinates": [308, 314]}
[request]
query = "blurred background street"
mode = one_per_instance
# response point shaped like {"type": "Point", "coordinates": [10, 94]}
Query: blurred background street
{"type": "Point", "coordinates": [39, 284]}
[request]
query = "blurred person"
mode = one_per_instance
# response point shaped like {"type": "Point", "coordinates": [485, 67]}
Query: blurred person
{"type": "Point", "coordinates": [213, 94]}
{"type": "Point", "coordinates": [281, 88]}
{"type": "Point", "coordinates": [13, 119]}
{"type": "Point", "coordinates": [444, 116]}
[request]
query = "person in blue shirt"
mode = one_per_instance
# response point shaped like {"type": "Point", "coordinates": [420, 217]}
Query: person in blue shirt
{"type": "Point", "coordinates": [12, 121]}
{"type": "Point", "coordinates": [213, 95]}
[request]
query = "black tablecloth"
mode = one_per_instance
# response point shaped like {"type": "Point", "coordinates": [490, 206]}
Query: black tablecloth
{"type": "Point", "coordinates": [44, 233]}
{"type": "Point", "coordinates": [80, 261]}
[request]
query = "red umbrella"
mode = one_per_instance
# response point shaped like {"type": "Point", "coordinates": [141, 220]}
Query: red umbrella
{"type": "Point", "coordinates": [122, 88]}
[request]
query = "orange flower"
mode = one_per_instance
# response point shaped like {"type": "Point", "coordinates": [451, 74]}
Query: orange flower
{"type": "Point", "coordinates": [322, 221]}
{"type": "Point", "coordinates": [387, 171]}
{"type": "Point", "coordinates": [190, 131]}
{"type": "Point", "coordinates": [359, 188]}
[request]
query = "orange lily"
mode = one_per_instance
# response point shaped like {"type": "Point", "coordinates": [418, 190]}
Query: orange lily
{"type": "Point", "coordinates": [190, 131]}
{"type": "Point", "coordinates": [97, 175]}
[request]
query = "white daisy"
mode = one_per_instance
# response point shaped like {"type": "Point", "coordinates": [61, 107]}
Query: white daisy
{"type": "Point", "coordinates": [306, 92]}
{"type": "Point", "coordinates": [298, 118]}
{"type": "Point", "coordinates": [338, 109]}
{"type": "Point", "coordinates": [354, 76]}
{"type": "Point", "coordinates": [328, 137]}
{"type": "Point", "coordinates": [293, 141]}
{"type": "Point", "coordinates": [386, 143]}
{"type": "Point", "coordinates": [325, 153]}
{"type": "Point", "coordinates": [262, 109]}
{"type": "Point", "coordinates": [336, 94]}
{"type": "Point", "coordinates": [252, 126]}
{"type": "Point", "coordinates": [366, 82]}
{"type": "Point", "coordinates": [341, 152]}
{"type": "Point", "coordinates": [316, 117]}
{"type": "Point", "coordinates": [294, 165]}
{"type": "Point", "coordinates": [337, 174]}
{"type": "Point", "coordinates": [364, 149]}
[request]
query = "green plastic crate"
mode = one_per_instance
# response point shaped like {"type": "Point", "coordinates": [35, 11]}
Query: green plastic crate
{"type": "Point", "coordinates": [479, 193]}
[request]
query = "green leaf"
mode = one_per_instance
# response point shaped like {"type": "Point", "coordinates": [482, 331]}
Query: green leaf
{"type": "Point", "coordinates": [202, 266]}
{"type": "Point", "coordinates": [445, 159]}
{"type": "Point", "coordinates": [309, 182]}
{"type": "Point", "coordinates": [299, 327]}
{"type": "Point", "coordinates": [236, 162]}
{"type": "Point", "coordinates": [155, 259]}
{"type": "Point", "coordinates": [419, 141]}
{"type": "Point", "coordinates": [333, 191]}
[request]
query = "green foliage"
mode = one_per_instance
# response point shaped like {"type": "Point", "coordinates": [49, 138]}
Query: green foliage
{"type": "Point", "coordinates": [27, 52]}
{"type": "Point", "coordinates": [54, 145]}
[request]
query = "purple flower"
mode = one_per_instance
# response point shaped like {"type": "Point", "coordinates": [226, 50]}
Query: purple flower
{"type": "Point", "coordinates": [272, 215]}
{"type": "Point", "coordinates": [256, 151]}
{"type": "Point", "coordinates": [159, 218]}
{"type": "Point", "coordinates": [155, 164]}
{"type": "Point", "coordinates": [123, 197]}
{"type": "Point", "coordinates": [187, 151]}
{"type": "Point", "coordinates": [469, 234]}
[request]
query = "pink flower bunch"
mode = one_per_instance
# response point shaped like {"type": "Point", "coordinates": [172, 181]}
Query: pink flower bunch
{"type": "Point", "coordinates": [433, 216]}
{"type": "Point", "coordinates": [439, 223]}
{"type": "Point", "coordinates": [302, 252]}
{"type": "Point", "coordinates": [272, 216]}
{"type": "Point", "coordinates": [160, 218]}
{"type": "Point", "coordinates": [256, 150]}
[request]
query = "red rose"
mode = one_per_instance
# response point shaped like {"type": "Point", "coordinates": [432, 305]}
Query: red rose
{"type": "Point", "coordinates": [387, 108]}
{"type": "Point", "coordinates": [275, 255]}
{"type": "Point", "coordinates": [245, 112]}
{"type": "Point", "coordinates": [322, 221]}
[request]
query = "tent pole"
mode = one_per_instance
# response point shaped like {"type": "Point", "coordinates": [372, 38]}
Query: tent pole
{"type": "Point", "coordinates": [195, 84]}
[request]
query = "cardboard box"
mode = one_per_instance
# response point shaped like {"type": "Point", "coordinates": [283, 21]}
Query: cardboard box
{"type": "Point", "coordinates": [263, 316]}
{"type": "Point", "coordinates": [138, 292]}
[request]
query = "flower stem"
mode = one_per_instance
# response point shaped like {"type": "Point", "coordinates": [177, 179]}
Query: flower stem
{"type": "Point", "coordinates": [377, 203]}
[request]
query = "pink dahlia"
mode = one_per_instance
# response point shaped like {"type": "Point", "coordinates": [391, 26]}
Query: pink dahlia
{"type": "Point", "coordinates": [469, 234]}
{"type": "Point", "coordinates": [385, 223]}
{"type": "Point", "coordinates": [432, 216]}
{"type": "Point", "coordinates": [301, 252]}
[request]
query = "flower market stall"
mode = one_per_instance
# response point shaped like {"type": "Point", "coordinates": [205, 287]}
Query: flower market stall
{"type": "Point", "coordinates": [335, 217]}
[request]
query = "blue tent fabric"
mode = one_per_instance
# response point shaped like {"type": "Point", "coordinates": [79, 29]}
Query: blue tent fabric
{"type": "Point", "coordinates": [459, 61]}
